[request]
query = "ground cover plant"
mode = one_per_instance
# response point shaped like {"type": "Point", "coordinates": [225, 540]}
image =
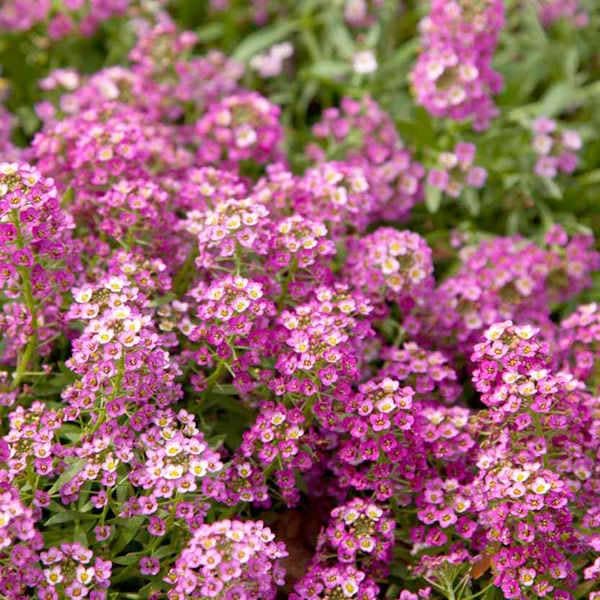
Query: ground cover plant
{"type": "Point", "coordinates": [299, 299]}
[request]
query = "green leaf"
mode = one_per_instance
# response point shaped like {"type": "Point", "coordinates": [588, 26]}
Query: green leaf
{"type": "Point", "coordinates": [590, 178]}
{"type": "Point", "coordinates": [210, 32]}
{"type": "Point", "coordinates": [68, 515]}
{"type": "Point", "coordinates": [67, 475]}
{"type": "Point", "coordinates": [328, 69]}
{"type": "Point", "coordinates": [471, 200]}
{"type": "Point", "coordinates": [433, 198]}
{"type": "Point", "coordinates": [551, 188]}
{"type": "Point", "coordinates": [342, 41]}
{"type": "Point", "coordinates": [67, 197]}
{"type": "Point", "coordinates": [225, 389]}
{"type": "Point", "coordinates": [128, 559]}
{"type": "Point", "coordinates": [261, 40]}
{"type": "Point", "coordinates": [128, 530]}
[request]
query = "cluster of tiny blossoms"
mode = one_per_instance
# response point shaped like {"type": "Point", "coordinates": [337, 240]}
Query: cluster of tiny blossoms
{"type": "Point", "coordinates": [228, 372]}
{"type": "Point", "coordinates": [361, 132]}
{"type": "Point", "coordinates": [119, 357]}
{"type": "Point", "coordinates": [580, 342]}
{"type": "Point", "coordinates": [504, 278]}
{"type": "Point", "coordinates": [70, 572]}
{"type": "Point", "coordinates": [453, 76]}
{"type": "Point", "coordinates": [556, 148]}
{"type": "Point", "coordinates": [357, 540]}
{"type": "Point", "coordinates": [390, 265]}
{"type": "Point", "coordinates": [550, 11]}
{"type": "Point", "coordinates": [36, 261]}
{"type": "Point", "coordinates": [456, 170]}
{"type": "Point", "coordinates": [241, 127]}
{"type": "Point", "coordinates": [229, 559]}
{"type": "Point", "coordinates": [71, 17]}
{"type": "Point", "coordinates": [525, 486]}
{"type": "Point", "coordinates": [277, 441]}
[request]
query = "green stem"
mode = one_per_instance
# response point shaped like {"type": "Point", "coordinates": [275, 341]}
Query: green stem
{"type": "Point", "coordinates": [286, 284]}
{"type": "Point", "coordinates": [215, 376]}
{"type": "Point", "coordinates": [181, 281]}
{"type": "Point", "coordinates": [30, 348]}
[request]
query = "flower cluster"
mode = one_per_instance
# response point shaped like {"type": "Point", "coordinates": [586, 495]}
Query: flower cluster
{"type": "Point", "coordinates": [360, 537]}
{"type": "Point", "coordinates": [278, 441]}
{"type": "Point", "coordinates": [338, 581]}
{"type": "Point", "coordinates": [320, 349]}
{"type": "Point", "coordinates": [428, 373]}
{"type": "Point", "coordinates": [337, 193]}
{"type": "Point", "coordinates": [359, 532]}
{"type": "Point", "coordinates": [102, 144]}
{"type": "Point", "coordinates": [362, 133]}
{"type": "Point", "coordinates": [524, 486]}
{"type": "Point", "coordinates": [37, 261]}
{"type": "Point", "coordinates": [504, 278]}
{"type": "Point", "coordinates": [173, 455]}
{"type": "Point", "coordinates": [19, 15]}
{"type": "Point", "coordinates": [550, 11]}
{"type": "Point", "coordinates": [72, 17]}
{"type": "Point", "coordinates": [119, 358]}
{"type": "Point", "coordinates": [241, 127]}
{"type": "Point", "coordinates": [228, 308]}
{"type": "Point", "coordinates": [390, 265]}
{"type": "Point", "coordinates": [579, 340]}
{"type": "Point", "coordinates": [31, 442]}
{"type": "Point", "coordinates": [378, 455]}
{"type": "Point", "coordinates": [270, 63]}
{"type": "Point", "coordinates": [72, 571]}
{"type": "Point", "coordinates": [453, 76]}
{"type": "Point", "coordinates": [555, 148]}
{"type": "Point", "coordinates": [456, 170]}
{"type": "Point", "coordinates": [229, 559]}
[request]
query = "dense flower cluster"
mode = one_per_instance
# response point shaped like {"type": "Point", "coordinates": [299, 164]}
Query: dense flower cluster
{"type": "Point", "coordinates": [505, 278]}
{"type": "Point", "coordinates": [453, 76]}
{"type": "Point", "coordinates": [70, 17]}
{"type": "Point", "coordinates": [70, 571]}
{"type": "Point", "coordinates": [173, 455]}
{"type": "Point", "coordinates": [241, 127]}
{"type": "Point", "coordinates": [428, 373]}
{"type": "Point", "coordinates": [526, 486]}
{"type": "Point", "coordinates": [277, 441]}
{"type": "Point", "coordinates": [391, 264]}
{"type": "Point", "coordinates": [119, 357]}
{"type": "Point", "coordinates": [242, 358]}
{"type": "Point", "coordinates": [556, 149]}
{"type": "Point", "coordinates": [362, 133]}
{"type": "Point", "coordinates": [23, 14]}
{"type": "Point", "coordinates": [339, 581]}
{"type": "Point", "coordinates": [579, 342]}
{"type": "Point", "coordinates": [37, 261]}
{"type": "Point", "coordinates": [456, 170]}
{"type": "Point", "coordinates": [229, 559]}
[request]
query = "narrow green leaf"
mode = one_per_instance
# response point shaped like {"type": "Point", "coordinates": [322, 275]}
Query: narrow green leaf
{"type": "Point", "coordinates": [68, 515]}
{"type": "Point", "coordinates": [552, 188]}
{"type": "Point", "coordinates": [261, 40]}
{"type": "Point", "coordinates": [67, 475]}
{"type": "Point", "coordinates": [433, 198]}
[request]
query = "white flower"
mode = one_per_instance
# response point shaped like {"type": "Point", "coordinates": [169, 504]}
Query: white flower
{"type": "Point", "coordinates": [364, 62]}
{"type": "Point", "coordinates": [540, 486]}
{"type": "Point", "coordinates": [83, 296]}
